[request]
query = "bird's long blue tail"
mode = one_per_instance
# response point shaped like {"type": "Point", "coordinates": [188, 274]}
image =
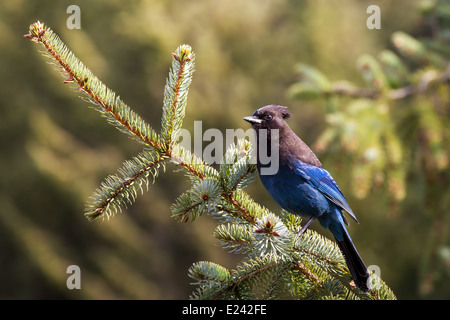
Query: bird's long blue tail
{"type": "Point", "coordinates": [354, 262]}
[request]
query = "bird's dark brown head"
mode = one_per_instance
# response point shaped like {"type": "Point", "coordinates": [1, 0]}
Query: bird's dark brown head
{"type": "Point", "coordinates": [290, 145]}
{"type": "Point", "coordinates": [269, 117]}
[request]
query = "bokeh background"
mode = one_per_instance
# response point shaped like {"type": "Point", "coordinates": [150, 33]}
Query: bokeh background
{"type": "Point", "coordinates": [55, 150]}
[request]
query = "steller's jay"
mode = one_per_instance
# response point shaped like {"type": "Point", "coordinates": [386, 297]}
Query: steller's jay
{"type": "Point", "coordinates": [303, 187]}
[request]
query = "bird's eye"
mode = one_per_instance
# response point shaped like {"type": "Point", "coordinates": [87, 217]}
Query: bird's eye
{"type": "Point", "coordinates": [268, 117]}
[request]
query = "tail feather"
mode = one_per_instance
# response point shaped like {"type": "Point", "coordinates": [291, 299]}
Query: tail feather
{"type": "Point", "coordinates": [354, 262]}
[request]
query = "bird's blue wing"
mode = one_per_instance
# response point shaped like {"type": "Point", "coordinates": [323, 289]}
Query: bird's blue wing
{"type": "Point", "coordinates": [324, 182]}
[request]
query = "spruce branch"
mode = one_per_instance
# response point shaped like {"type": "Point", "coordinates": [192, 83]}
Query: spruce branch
{"type": "Point", "coordinates": [193, 166]}
{"type": "Point", "coordinates": [248, 275]}
{"type": "Point", "coordinates": [201, 198]}
{"type": "Point", "coordinates": [298, 265]}
{"type": "Point", "coordinates": [175, 93]}
{"type": "Point", "coordinates": [119, 190]}
{"type": "Point", "coordinates": [236, 238]}
{"type": "Point", "coordinates": [236, 171]}
{"type": "Point", "coordinates": [205, 272]}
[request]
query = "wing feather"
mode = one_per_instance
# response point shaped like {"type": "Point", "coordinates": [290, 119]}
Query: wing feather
{"type": "Point", "coordinates": [324, 182]}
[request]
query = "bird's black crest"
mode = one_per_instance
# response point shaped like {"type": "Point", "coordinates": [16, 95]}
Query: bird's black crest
{"type": "Point", "coordinates": [286, 114]}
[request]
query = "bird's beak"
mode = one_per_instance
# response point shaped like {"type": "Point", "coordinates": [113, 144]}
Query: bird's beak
{"type": "Point", "coordinates": [253, 120]}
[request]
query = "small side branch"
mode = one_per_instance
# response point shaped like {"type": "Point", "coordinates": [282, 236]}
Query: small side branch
{"type": "Point", "coordinates": [116, 191]}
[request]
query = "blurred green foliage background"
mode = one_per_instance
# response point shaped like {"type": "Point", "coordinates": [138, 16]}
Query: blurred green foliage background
{"type": "Point", "coordinates": [55, 150]}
